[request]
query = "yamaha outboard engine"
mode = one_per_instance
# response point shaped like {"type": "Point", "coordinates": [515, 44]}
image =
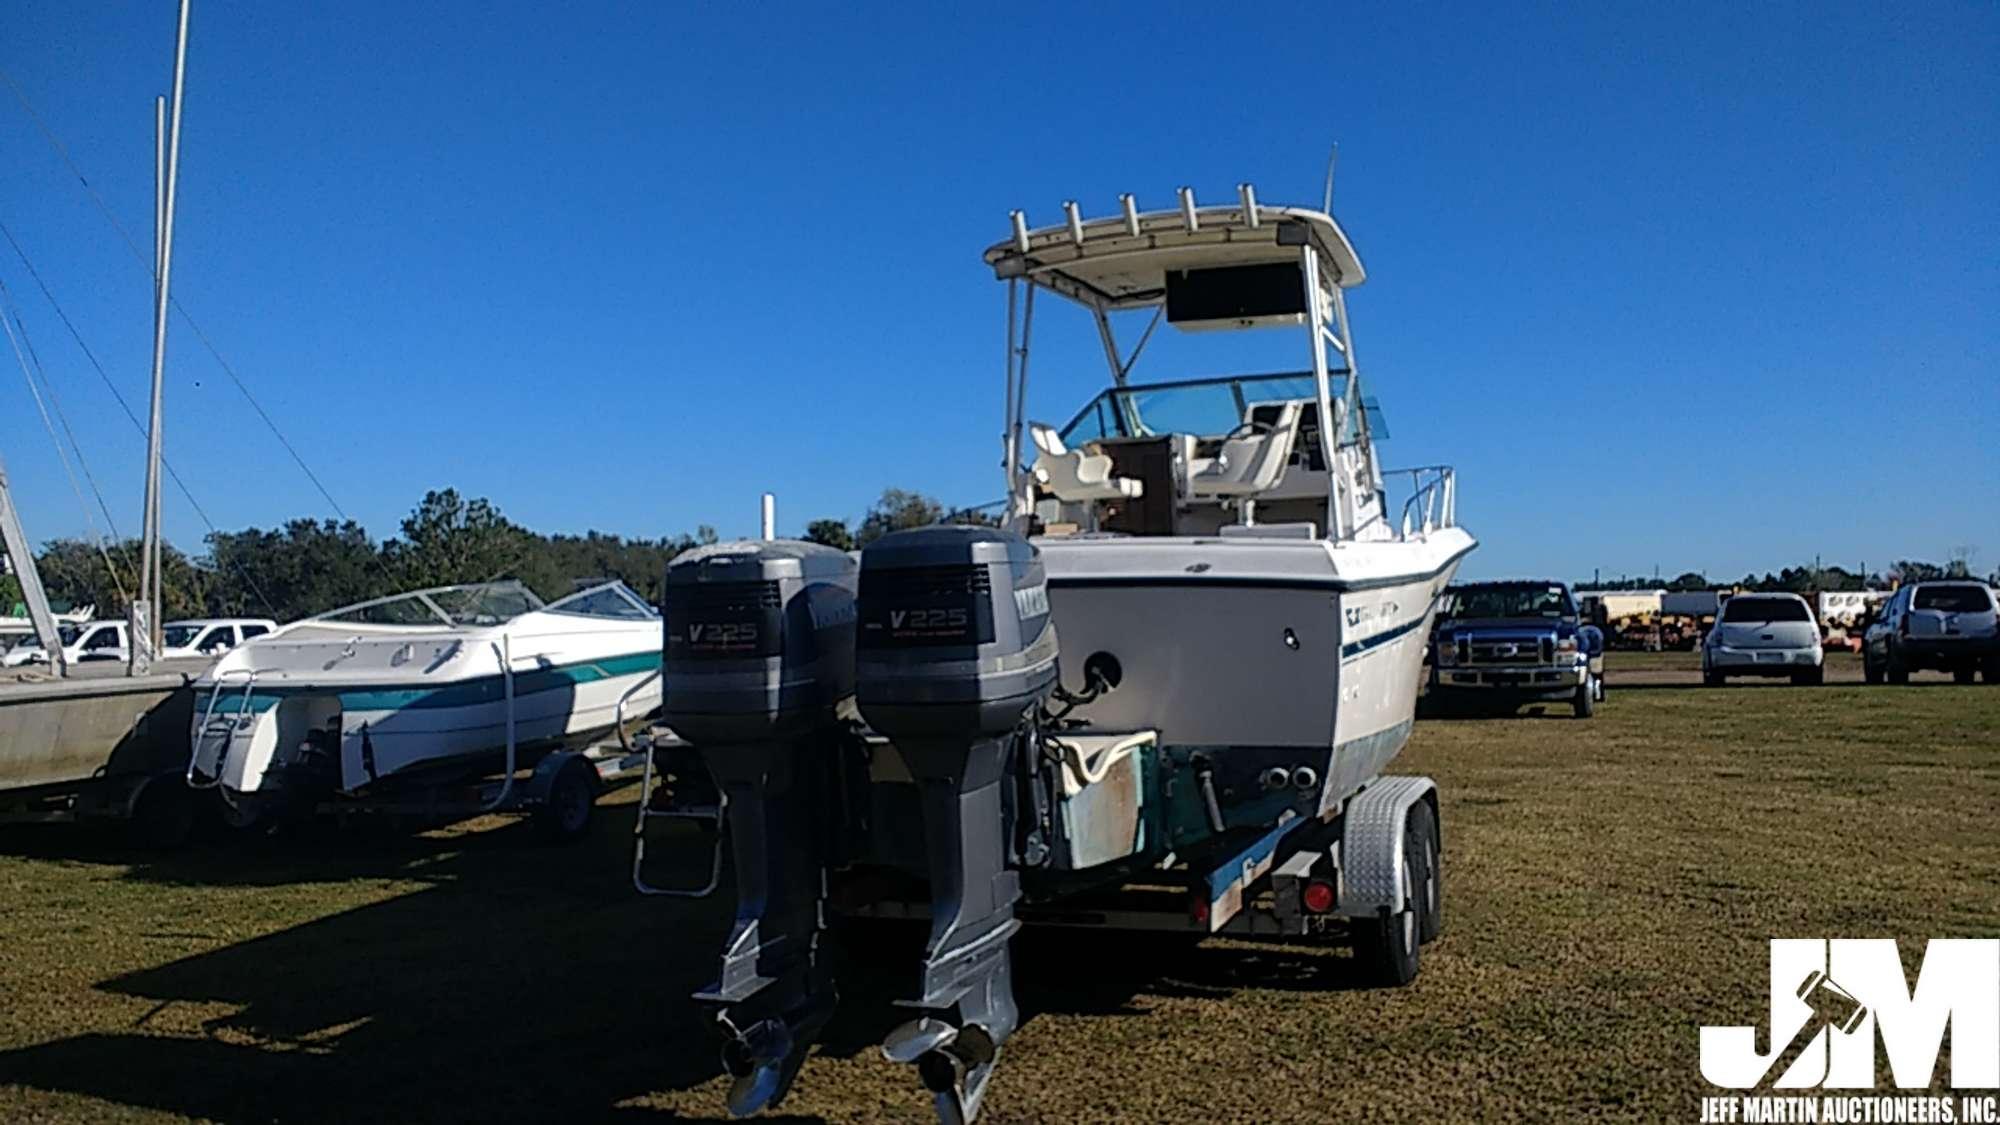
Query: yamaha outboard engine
{"type": "Point", "coordinates": [954, 658]}
{"type": "Point", "coordinates": [760, 652]}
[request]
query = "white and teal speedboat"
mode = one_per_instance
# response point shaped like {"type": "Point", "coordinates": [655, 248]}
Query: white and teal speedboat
{"type": "Point", "coordinates": [421, 684]}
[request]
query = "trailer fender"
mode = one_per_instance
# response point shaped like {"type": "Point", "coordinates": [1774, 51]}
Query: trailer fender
{"type": "Point", "coordinates": [1371, 845]}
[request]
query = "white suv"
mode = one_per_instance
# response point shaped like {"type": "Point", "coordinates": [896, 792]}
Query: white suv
{"type": "Point", "coordinates": [1944, 625]}
{"type": "Point", "coordinates": [1764, 635]}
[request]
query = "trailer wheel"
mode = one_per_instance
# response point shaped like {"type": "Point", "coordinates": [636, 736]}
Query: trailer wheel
{"type": "Point", "coordinates": [1386, 946]}
{"type": "Point", "coordinates": [1430, 891]}
{"type": "Point", "coordinates": [1813, 678]}
{"type": "Point", "coordinates": [1586, 699]}
{"type": "Point", "coordinates": [565, 813]}
{"type": "Point", "coordinates": [163, 814]}
{"type": "Point", "coordinates": [1871, 672]}
{"type": "Point", "coordinates": [1962, 675]}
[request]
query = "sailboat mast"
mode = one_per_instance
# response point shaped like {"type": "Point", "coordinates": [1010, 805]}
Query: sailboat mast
{"type": "Point", "coordinates": [150, 573]}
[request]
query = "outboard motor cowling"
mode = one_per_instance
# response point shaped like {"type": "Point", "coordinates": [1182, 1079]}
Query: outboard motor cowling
{"type": "Point", "coordinates": [759, 656]}
{"type": "Point", "coordinates": [955, 655]}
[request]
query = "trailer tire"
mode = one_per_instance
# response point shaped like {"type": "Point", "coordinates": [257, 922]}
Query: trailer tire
{"type": "Point", "coordinates": [1385, 946]}
{"type": "Point", "coordinates": [1962, 675]}
{"type": "Point", "coordinates": [1813, 678]}
{"type": "Point", "coordinates": [565, 814]}
{"type": "Point", "coordinates": [1712, 678]}
{"type": "Point", "coordinates": [1430, 888]}
{"type": "Point", "coordinates": [1871, 672]}
{"type": "Point", "coordinates": [163, 814]}
{"type": "Point", "coordinates": [1586, 699]}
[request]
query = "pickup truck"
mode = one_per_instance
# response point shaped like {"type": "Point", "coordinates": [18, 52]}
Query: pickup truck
{"type": "Point", "coordinates": [1514, 642]}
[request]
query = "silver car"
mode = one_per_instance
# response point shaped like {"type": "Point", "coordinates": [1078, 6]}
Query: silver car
{"type": "Point", "coordinates": [1949, 626]}
{"type": "Point", "coordinates": [1764, 635]}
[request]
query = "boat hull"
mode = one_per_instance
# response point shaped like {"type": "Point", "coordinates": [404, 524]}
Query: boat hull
{"type": "Point", "coordinates": [1284, 676]}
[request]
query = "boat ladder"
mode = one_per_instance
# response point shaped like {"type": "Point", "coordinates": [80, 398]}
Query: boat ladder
{"type": "Point", "coordinates": [236, 722]}
{"type": "Point", "coordinates": [710, 814]}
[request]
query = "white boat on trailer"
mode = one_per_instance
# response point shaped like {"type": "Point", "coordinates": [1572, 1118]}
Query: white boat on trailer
{"type": "Point", "coordinates": [1162, 695]}
{"type": "Point", "coordinates": [420, 689]}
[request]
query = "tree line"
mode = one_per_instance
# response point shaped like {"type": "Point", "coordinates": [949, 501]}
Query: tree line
{"type": "Point", "coordinates": [1805, 578]}
{"type": "Point", "coordinates": [309, 566]}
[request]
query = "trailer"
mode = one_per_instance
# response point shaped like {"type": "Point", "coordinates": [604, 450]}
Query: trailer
{"type": "Point", "coordinates": [557, 787]}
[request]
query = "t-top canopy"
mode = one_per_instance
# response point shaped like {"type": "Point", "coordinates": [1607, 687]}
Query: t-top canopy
{"type": "Point", "coordinates": [1121, 262]}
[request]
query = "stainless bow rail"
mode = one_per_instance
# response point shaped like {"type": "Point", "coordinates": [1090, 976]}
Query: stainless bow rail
{"type": "Point", "coordinates": [1433, 502]}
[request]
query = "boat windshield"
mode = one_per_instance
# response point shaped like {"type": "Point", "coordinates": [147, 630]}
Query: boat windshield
{"type": "Point", "coordinates": [479, 603]}
{"type": "Point", "coordinates": [612, 599]}
{"type": "Point", "coordinates": [1203, 407]}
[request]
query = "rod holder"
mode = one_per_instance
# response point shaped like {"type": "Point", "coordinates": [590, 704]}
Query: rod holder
{"type": "Point", "coordinates": [1248, 195]}
{"type": "Point", "coordinates": [1188, 218]}
{"type": "Point", "coordinates": [1075, 216]}
{"type": "Point", "coordinates": [1131, 209]}
{"type": "Point", "coordinates": [1020, 221]}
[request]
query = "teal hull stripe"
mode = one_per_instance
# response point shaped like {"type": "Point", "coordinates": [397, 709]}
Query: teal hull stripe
{"type": "Point", "coordinates": [465, 693]}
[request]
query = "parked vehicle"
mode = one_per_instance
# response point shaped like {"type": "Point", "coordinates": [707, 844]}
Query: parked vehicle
{"type": "Point", "coordinates": [210, 636]}
{"type": "Point", "coordinates": [1948, 626]}
{"type": "Point", "coordinates": [1516, 642]}
{"type": "Point", "coordinates": [1764, 635]}
{"type": "Point", "coordinates": [95, 641]}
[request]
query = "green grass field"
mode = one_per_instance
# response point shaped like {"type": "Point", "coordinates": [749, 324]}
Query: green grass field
{"type": "Point", "coordinates": [1610, 886]}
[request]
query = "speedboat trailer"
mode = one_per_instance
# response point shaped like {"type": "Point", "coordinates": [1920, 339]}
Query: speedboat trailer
{"type": "Point", "coordinates": [1163, 695]}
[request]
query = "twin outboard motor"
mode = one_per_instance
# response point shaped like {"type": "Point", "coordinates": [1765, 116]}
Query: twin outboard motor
{"type": "Point", "coordinates": [759, 654]}
{"type": "Point", "coordinates": [955, 656]}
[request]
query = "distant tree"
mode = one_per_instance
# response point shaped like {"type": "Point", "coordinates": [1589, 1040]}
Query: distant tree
{"type": "Point", "coordinates": [448, 539]}
{"type": "Point", "coordinates": [295, 571]}
{"type": "Point", "coordinates": [832, 533]}
{"type": "Point", "coordinates": [1912, 570]}
{"type": "Point", "coordinates": [10, 594]}
{"type": "Point", "coordinates": [1691, 580]}
{"type": "Point", "coordinates": [897, 510]}
{"type": "Point", "coordinates": [74, 571]}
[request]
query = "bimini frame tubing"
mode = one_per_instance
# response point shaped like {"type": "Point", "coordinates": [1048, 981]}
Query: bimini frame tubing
{"type": "Point", "coordinates": [1017, 394]}
{"type": "Point", "coordinates": [1339, 501]}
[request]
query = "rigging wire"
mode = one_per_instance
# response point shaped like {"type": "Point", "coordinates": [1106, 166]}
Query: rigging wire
{"type": "Point", "coordinates": [7, 299]}
{"type": "Point", "coordinates": [105, 376]}
{"type": "Point", "coordinates": [140, 257]}
{"type": "Point", "coordinates": [8, 317]}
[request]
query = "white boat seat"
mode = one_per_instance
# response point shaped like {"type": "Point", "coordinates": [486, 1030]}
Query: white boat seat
{"type": "Point", "coordinates": [1074, 475]}
{"type": "Point", "coordinates": [1251, 460]}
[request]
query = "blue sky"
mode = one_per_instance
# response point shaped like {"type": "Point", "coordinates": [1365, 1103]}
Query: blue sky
{"type": "Point", "coordinates": [1694, 287]}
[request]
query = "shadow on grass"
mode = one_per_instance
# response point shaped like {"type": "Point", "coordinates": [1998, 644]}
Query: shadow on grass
{"type": "Point", "coordinates": [526, 983]}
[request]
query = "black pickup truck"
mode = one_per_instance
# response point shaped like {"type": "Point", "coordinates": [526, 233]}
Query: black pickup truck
{"type": "Point", "coordinates": [1514, 642]}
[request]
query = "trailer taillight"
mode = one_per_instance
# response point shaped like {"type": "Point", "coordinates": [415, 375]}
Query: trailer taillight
{"type": "Point", "coordinates": [1318, 897]}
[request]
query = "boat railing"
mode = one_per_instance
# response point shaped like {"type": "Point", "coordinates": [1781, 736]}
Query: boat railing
{"type": "Point", "coordinates": [236, 723]}
{"type": "Point", "coordinates": [1433, 501]}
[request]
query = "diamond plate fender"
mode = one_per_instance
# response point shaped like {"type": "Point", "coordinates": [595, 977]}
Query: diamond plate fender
{"type": "Point", "coordinates": [1371, 845]}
